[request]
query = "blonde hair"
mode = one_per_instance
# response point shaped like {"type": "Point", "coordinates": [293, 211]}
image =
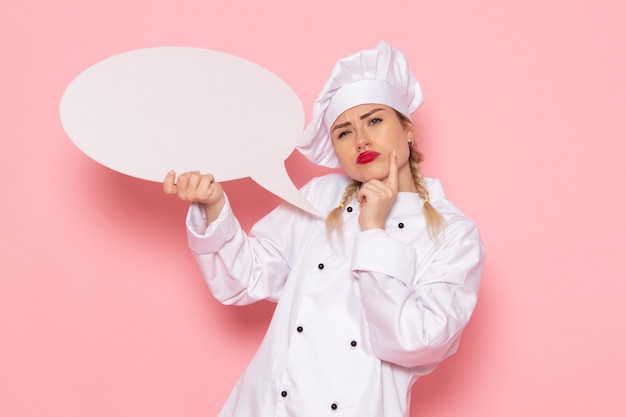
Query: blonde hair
{"type": "Point", "coordinates": [434, 220]}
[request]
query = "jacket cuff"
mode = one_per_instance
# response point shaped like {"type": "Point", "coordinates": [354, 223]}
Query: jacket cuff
{"type": "Point", "coordinates": [210, 239]}
{"type": "Point", "coordinates": [376, 251]}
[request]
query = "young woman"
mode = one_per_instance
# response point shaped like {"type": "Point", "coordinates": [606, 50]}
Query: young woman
{"type": "Point", "coordinates": [370, 298]}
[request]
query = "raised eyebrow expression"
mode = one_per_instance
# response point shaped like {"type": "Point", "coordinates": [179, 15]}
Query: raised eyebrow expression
{"type": "Point", "coordinates": [363, 116]}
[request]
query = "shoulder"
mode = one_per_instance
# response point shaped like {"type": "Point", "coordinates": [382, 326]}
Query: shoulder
{"type": "Point", "coordinates": [324, 192]}
{"type": "Point", "coordinates": [328, 181]}
{"type": "Point", "coordinates": [455, 218]}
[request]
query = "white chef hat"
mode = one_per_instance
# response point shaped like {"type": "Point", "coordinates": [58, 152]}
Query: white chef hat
{"type": "Point", "coordinates": [378, 76]}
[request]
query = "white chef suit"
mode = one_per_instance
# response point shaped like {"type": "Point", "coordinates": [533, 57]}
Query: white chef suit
{"type": "Point", "coordinates": [359, 317]}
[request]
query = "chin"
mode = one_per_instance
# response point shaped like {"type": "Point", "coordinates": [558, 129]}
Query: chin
{"type": "Point", "coordinates": [370, 176]}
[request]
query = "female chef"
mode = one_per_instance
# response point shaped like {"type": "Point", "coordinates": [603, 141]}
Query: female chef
{"type": "Point", "coordinates": [370, 298]}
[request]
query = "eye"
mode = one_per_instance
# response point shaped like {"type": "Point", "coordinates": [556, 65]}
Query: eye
{"type": "Point", "coordinates": [342, 134]}
{"type": "Point", "coordinates": [375, 120]}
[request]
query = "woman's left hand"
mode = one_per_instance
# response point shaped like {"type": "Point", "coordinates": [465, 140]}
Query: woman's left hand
{"type": "Point", "coordinates": [376, 197]}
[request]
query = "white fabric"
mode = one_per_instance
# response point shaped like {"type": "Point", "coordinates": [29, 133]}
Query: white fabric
{"type": "Point", "coordinates": [361, 92]}
{"type": "Point", "coordinates": [401, 298]}
{"type": "Point", "coordinates": [375, 76]}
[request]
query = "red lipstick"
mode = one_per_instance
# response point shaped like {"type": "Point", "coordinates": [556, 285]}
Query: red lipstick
{"type": "Point", "coordinates": [367, 157]}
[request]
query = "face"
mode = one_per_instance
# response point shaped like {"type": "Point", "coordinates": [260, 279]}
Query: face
{"type": "Point", "coordinates": [364, 137]}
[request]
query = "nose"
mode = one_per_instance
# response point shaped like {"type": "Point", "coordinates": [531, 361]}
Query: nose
{"type": "Point", "coordinates": [362, 140]}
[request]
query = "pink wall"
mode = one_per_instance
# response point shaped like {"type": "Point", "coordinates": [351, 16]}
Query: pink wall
{"type": "Point", "coordinates": [103, 313]}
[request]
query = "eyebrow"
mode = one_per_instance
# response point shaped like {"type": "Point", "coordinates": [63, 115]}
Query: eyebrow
{"type": "Point", "coordinates": [363, 116]}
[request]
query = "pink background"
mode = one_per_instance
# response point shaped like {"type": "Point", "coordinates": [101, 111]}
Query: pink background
{"type": "Point", "coordinates": [102, 309]}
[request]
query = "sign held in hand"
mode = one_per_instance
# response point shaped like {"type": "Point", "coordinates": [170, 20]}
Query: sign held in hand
{"type": "Point", "coordinates": [148, 111]}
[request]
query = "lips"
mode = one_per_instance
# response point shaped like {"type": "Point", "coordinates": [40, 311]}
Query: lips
{"type": "Point", "coordinates": [367, 157]}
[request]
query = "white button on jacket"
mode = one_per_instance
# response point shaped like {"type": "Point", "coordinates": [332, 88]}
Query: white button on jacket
{"type": "Point", "coordinates": [359, 318]}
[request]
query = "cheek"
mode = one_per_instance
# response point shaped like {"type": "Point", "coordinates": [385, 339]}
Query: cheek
{"type": "Point", "coordinates": [403, 150]}
{"type": "Point", "coordinates": [341, 150]}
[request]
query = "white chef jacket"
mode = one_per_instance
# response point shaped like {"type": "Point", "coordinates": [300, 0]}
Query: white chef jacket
{"type": "Point", "coordinates": [359, 317]}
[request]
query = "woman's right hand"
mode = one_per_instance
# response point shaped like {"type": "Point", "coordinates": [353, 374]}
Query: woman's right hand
{"type": "Point", "coordinates": [196, 188]}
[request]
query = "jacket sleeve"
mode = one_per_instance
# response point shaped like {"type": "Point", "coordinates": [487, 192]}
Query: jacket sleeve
{"type": "Point", "coordinates": [417, 308]}
{"type": "Point", "coordinates": [240, 268]}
